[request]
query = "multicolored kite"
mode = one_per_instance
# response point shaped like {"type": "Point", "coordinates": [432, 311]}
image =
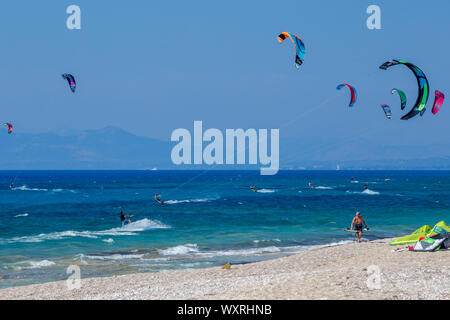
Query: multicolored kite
{"type": "Point", "coordinates": [422, 82]}
{"type": "Point", "coordinates": [352, 93]}
{"type": "Point", "coordinates": [71, 80]}
{"type": "Point", "coordinates": [438, 101]}
{"type": "Point", "coordinates": [10, 127]}
{"type": "Point", "coordinates": [402, 96]}
{"type": "Point", "coordinates": [299, 47]}
{"type": "Point", "coordinates": [387, 110]}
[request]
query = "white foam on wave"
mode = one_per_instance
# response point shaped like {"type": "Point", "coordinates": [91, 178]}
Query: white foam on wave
{"type": "Point", "coordinates": [63, 190]}
{"type": "Point", "coordinates": [25, 188]}
{"type": "Point", "coordinates": [371, 192]}
{"type": "Point", "coordinates": [242, 252]}
{"type": "Point", "coordinates": [23, 265]}
{"type": "Point", "coordinates": [21, 215]}
{"type": "Point", "coordinates": [366, 192]}
{"type": "Point", "coordinates": [116, 256]}
{"type": "Point", "coordinates": [324, 188]}
{"type": "Point", "coordinates": [186, 201]}
{"type": "Point", "coordinates": [40, 264]}
{"type": "Point", "coordinates": [127, 230]}
{"type": "Point", "coordinates": [266, 191]}
{"type": "Point", "coordinates": [109, 240]}
{"type": "Point", "coordinates": [179, 250]}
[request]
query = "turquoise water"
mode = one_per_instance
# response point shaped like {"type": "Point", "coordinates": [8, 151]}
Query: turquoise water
{"type": "Point", "coordinates": [52, 219]}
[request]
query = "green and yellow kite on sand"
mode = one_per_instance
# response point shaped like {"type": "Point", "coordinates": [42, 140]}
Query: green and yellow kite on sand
{"type": "Point", "coordinates": [424, 231]}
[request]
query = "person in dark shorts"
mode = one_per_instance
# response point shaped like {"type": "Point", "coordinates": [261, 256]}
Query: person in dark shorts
{"type": "Point", "coordinates": [123, 218]}
{"type": "Point", "coordinates": [357, 222]}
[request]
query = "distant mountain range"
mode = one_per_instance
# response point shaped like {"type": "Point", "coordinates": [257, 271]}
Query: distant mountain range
{"type": "Point", "coordinates": [114, 148]}
{"type": "Point", "coordinates": [108, 148]}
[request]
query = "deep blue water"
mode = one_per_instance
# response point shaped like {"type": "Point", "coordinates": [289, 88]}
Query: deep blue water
{"type": "Point", "coordinates": [52, 219]}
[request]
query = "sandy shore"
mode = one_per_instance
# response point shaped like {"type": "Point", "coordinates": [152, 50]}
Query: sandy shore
{"type": "Point", "coordinates": [339, 272]}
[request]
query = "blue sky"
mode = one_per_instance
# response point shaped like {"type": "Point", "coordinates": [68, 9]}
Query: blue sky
{"type": "Point", "coordinates": [151, 67]}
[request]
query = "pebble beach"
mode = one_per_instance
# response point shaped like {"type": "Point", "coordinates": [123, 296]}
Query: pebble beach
{"type": "Point", "coordinates": [347, 271]}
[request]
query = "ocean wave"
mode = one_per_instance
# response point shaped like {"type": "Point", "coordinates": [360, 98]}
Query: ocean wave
{"type": "Point", "coordinates": [108, 240]}
{"type": "Point", "coordinates": [266, 191]}
{"type": "Point", "coordinates": [115, 256]}
{"type": "Point", "coordinates": [26, 265]}
{"type": "Point", "coordinates": [186, 201]}
{"type": "Point", "coordinates": [367, 192]}
{"type": "Point", "coordinates": [25, 188]}
{"type": "Point", "coordinates": [244, 252]}
{"type": "Point", "coordinates": [21, 215]}
{"type": "Point", "coordinates": [179, 250]}
{"type": "Point", "coordinates": [127, 230]}
{"type": "Point", "coordinates": [63, 190]}
{"type": "Point", "coordinates": [41, 264]}
{"type": "Point", "coordinates": [371, 192]}
{"type": "Point", "coordinates": [324, 188]}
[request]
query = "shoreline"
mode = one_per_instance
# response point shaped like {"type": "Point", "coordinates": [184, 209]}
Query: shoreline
{"type": "Point", "coordinates": [332, 272]}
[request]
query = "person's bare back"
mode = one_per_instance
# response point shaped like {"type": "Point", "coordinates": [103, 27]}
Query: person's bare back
{"type": "Point", "coordinates": [357, 222]}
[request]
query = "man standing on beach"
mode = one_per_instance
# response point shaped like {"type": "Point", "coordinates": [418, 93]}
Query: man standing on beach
{"type": "Point", "coordinates": [358, 220]}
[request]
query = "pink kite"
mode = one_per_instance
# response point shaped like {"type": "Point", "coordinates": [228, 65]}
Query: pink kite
{"type": "Point", "coordinates": [438, 101]}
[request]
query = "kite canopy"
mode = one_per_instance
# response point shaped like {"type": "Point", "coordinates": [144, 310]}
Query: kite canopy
{"type": "Point", "coordinates": [299, 47]}
{"type": "Point", "coordinates": [10, 127]}
{"type": "Point", "coordinates": [428, 244]}
{"type": "Point", "coordinates": [352, 93]}
{"type": "Point", "coordinates": [387, 110]}
{"type": "Point", "coordinates": [438, 101]}
{"type": "Point", "coordinates": [71, 81]}
{"type": "Point", "coordinates": [423, 86]}
{"type": "Point", "coordinates": [402, 96]}
{"type": "Point", "coordinates": [424, 231]}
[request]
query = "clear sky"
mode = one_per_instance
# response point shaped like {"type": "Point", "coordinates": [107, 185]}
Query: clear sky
{"type": "Point", "coordinates": [153, 66]}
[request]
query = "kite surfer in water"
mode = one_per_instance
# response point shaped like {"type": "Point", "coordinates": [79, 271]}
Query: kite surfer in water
{"type": "Point", "coordinates": [123, 218]}
{"type": "Point", "coordinates": [311, 186]}
{"type": "Point", "coordinates": [158, 198]}
{"type": "Point", "coordinates": [253, 188]}
{"type": "Point", "coordinates": [358, 221]}
{"type": "Point", "coordinates": [11, 186]}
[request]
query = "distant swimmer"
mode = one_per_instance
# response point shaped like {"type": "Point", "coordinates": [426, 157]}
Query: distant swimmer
{"type": "Point", "coordinates": [311, 186]}
{"type": "Point", "coordinates": [123, 218]}
{"type": "Point", "coordinates": [352, 179]}
{"type": "Point", "coordinates": [357, 222]}
{"type": "Point", "coordinates": [366, 186]}
{"type": "Point", "coordinates": [253, 188]}
{"type": "Point", "coordinates": [158, 198]}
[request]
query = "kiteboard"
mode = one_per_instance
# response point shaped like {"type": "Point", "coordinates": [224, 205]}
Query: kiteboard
{"type": "Point", "coordinates": [349, 230]}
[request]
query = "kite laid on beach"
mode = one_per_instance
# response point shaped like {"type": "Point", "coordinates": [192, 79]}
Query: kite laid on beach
{"type": "Point", "coordinates": [438, 101]}
{"type": "Point", "coordinates": [299, 47]}
{"type": "Point", "coordinates": [423, 87]}
{"type": "Point", "coordinates": [71, 80]}
{"type": "Point", "coordinates": [352, 93]}
{"type": "Point", "coordinates": [402, 96]}
{"type": "Point", "coordinates": [10, 127]}
{"type": "Point", "coordinates": [387, 110]}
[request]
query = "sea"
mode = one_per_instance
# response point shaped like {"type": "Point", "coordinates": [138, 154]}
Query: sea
{"type": "Point", "coordinates": [51, 220]}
